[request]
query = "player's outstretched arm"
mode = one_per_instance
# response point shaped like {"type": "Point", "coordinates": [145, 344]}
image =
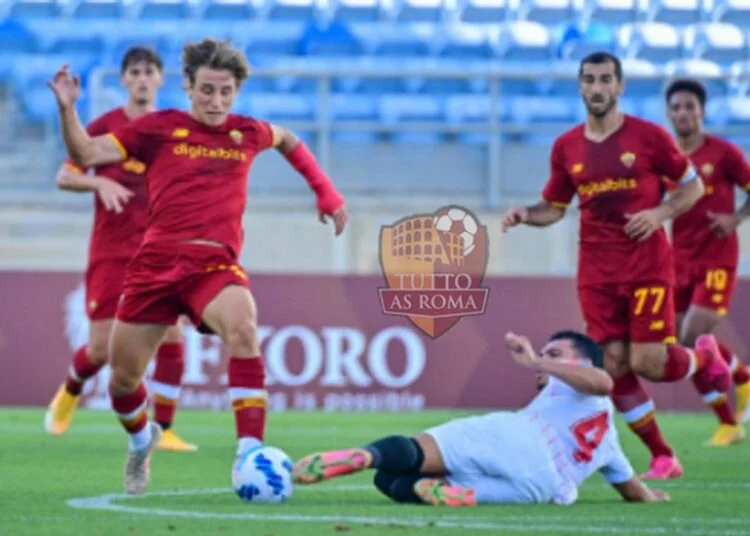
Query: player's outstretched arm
{"type": "Point", "coordinates": [541, 214]}
{"type": "Point", "coordinates": [329, 201]}
{"type": "Point", "coordinates": [114, 196]}
{"type": "Point", "coordinates": [82, 148]}
{"type": "Point", "coordinates": [636, 491]}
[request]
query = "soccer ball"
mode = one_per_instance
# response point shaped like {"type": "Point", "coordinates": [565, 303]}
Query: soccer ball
{"type": "Point", "coordinates": [263, 475]}
{"type": "Point", "coordinates": [459, 222]}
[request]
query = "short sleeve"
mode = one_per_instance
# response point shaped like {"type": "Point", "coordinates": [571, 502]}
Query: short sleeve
{"type": "Point", "coordinates": [669, 161]}
{"type": "Point", "coordinates": [737, 167]}
{"type": "Point", "coordinates": [136, 137]}
{"type": "Point", "coordinates": [617, 469]}
{"type": "Point", "coordinates": [98, 127]}
{"type": "Point", "coordinates": [265, 135]}
{"type": "Point", "coordinates": [559, 190]}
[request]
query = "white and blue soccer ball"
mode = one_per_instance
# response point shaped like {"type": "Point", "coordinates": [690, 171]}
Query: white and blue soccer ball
{"type": "Point", "coordinates": [263, 475]}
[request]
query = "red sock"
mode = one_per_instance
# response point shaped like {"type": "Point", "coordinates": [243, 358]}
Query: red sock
{"type": "Point", "coordinates": [718, 401]}
{"type": "Point", "coordinates": [170, 364]}
{"type": "Point", "coordinates": [81, 369]}
{"type": "Point", "coordinates": [247, 379]}
{"type": "Point", "coordinates": [131, 409]}
{"type": "Point", "coordinates": [683, 362]}
{"type": "Point", "coordinates": [740, 375]}
{"type": "Point", "coordinates": [637, 409]}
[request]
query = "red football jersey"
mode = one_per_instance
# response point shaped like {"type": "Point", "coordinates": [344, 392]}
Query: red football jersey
{"type": "Point", "coordinates": [115, 236]}
{"type": "Point", "coordinates": [722, 167]}
{"type": "Point", "coordinates": [618, 176]}
{"type": "Point", "coordinates": [197, 175]}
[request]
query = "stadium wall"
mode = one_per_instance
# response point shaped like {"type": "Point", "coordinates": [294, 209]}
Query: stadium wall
{"type": "Point", "coordinates": [327, 345]}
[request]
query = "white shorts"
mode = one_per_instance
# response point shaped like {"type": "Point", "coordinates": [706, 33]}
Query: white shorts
{"type": "Point", "coordinates": [502, 455]}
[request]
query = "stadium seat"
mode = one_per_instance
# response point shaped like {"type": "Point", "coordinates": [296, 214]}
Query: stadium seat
{"type": "Point", "coordinates": [98, 9]}
{"type": "Point", "coordinates": [462, 109]}
{"type": "Point", "coordinates": [419, 10]}
{"type": "Point", "coordinates": [734, 11]}
{"type": "Point", "coordinates": [548, 12]}
{"type": "Point", "coordinates": [525, 110]}
{"type": "Point", "coordinates": [347, 107]}
{"type": "Point", "coordinates": [15, 40]}
{"type": "Point", "coordinates": [229, 10]}
{"type": "Point", "coordinates": [288, 10]}
{"type": "Point", "coordinates": [707, 71]}
{"type": "Point", "coordinates": [611, 11]}
{"type": "Point", "coordinates": [331, 40]}
{"type": "Point", "coordinates": [640, 81]}
{"type": "Point", "coordinates": [523, 41]}
{"type": "Point", "coordinates": [276, 39]}
{"type": "Point", "coordinates": [678, 12]}
{"type": "Point", "coordinates": [75, 45]}
{"type": "Point", "coordinates": [653, 41]}
{"type": "Point", "coordinates": [719, 42]}
{"type": "Point", "coordinates": [654, 109]}
{"type": "Point", "coordinates": [403, 40]}
{"type": "Point", "coordinates": [739, 78]}
{"type": "Point", "coordinates": [396, 109]}
{"type": "Point", "coordinates": [279, 107]}
{"type": "Point", "coordinates": [730, 111]}
{"type": "Point", "coordinates": [164, 10]}
{"type": "Point", "coordinates": [484, 11]}
{"type": "Point", "coordinates": [465, 41]}
{"type": "Point", "coordinates": [575, 44]}
{"type": "Point", "coordinates": [357, 10]}
{"type": "Point", "coordinates": [36, 9]}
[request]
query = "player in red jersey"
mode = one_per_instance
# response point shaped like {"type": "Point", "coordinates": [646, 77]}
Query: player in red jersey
{"type": "Point", "coordinates": [197, 172]}
{"type": "Point", "coordinates": [706, 246]}
{"type": "Point", "coordinates": [614, 163]}
{"type": "Point", "coordinates": [121, 210]}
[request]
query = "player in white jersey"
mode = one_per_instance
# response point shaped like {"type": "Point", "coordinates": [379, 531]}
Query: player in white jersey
{"type": "Point", "coordinates": [539, 454]}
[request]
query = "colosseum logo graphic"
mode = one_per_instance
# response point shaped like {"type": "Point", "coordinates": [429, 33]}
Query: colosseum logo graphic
{"type": "Point", "coordinates": [434, 265]}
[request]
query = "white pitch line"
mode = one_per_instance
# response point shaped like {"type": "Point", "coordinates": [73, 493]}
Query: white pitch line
{"type": "Point", "coordinates": [514, 522]}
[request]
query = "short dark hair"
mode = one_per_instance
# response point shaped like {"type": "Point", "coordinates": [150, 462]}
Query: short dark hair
{"type": "Point", "coordinates": [689, 85]}
{"type": "Point", "coordinates": [598, 58]}
{"type": "Point", "coordinates": [219, 55]}
{"type": "Point", "coordinates": [140, 54]}
{"type": "Point", "coordinates": [583, 344]}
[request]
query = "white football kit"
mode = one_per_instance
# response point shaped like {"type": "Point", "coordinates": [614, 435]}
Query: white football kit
{"type": "Point", "coordinates": [539, 454]}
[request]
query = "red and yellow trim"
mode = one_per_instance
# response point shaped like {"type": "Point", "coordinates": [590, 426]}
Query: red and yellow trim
{"type": "Point", "coordinates": [248, 403]}
{"type": "Point", "coordinates": [120, 146]}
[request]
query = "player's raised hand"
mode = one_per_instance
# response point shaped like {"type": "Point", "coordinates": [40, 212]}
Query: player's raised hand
{"type": "Point", "coordinates": [340, 218]}
{"type": "Point", "coordinates": [643, 224]}
{"type": "Point", "coordinates": [723, 224]}
{"type": "Point", "coordinates": [513, 217]}
{"type": "Point", "coordinates": [521, 349]}
{"type": "Point", "coordinates": [113, 195]}
{"type": "Point", "coordinates": [66, 88]}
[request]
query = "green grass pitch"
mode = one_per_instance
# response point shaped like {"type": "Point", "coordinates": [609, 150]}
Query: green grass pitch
{"type": "Point", "coordinates": [72, 484]}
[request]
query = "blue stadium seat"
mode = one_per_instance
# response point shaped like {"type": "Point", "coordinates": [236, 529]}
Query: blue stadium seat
{"type": "Point", "coordinates": [164, 10]}
{"type": "Point", "coordinates": [730, 111]}
{"type": "Point", "coordinates": [462, 109]}
{"type": "Point", "coordinates": [678, 12]}
{"type": "Point", "coordinates": [611, 11]}
{"type": "Point", "coordinates": [654, 41]}
{"type": "Point", "coordinates": [280, 107]}
{"type": "Point", "coordinates": [98, 9]}
{"type": "Point", "coordinates": [575, 44]}
{"type": "Point", "coordinates": [720, 42]}
{"type": "Point", "coordinates": [525, 110]}
{"type": "Point", "coordinates": [396, 109]}
{"type": "Point", "coordinates": [357, 10]}
{"type": "Point", "coordinates": [15, 40]}
{"type": "Point", "coordinates": [419, 10]}
{"type": "Point", "coordinates": [484, 11]}
{"type": "Point", "coordinates": [288, 10]}
{"type": "Point", "coordinates": [370, 85]}
{"type": "Point", "coordinates": [402, 40]}
{"type": "Point", "coordinates": [36, 9]}
{"type": "Point", "coordinates": [707, 71]}
{"type": "Point", "coordinates": [734, 11]}
{"type": "Point", "coordinates": [347, 107]}
{"type": "Point", "coordinates": [646, 85]}
{"type": "Point", "coordinates": [548, 12]}
{"type": "Point", "coordinates": [449, 83]}
{"type": "Point", "coordinates": [77, 44]}
{"type": "Point", "coordinates": [468, 42]}
{"type": "Point", "coordinates": [739, 78]}
{"type": "Point", "coordinates": [278, 39]}
{"type": "Point", "coordinates": [228, 10]}
{"type": "Point", "coordinates": [332, 40]}
{"type": "Point", "coordinates": [524, 41]}
{"type": "Point", "coordinates": [655, 109]}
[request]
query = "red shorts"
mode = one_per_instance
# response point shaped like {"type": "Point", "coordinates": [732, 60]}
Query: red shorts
{"type": "Point", "coordinates": [636, 312]}
{"type": "Point", "coordinates": [104, 281]}
{"type": "Point", "coordinates": [705, 286]}
{"type": "Point", "coordinates": [165, 281]}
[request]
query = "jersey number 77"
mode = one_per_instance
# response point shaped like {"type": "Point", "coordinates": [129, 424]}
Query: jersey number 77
{"type": "Point", "coordinates": [589, 434]}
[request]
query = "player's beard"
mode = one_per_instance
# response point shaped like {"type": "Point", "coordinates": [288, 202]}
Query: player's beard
{"type": "Point", "coordinates": [600, 112]}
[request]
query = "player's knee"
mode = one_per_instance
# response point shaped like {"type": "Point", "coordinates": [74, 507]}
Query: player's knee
{"type": "Point", "coordinates": [616, 364]}
{"type": "Point", "coordinates": [122, 382]}
{"type": "Point", "coordinates": [242, 337]}
{"type": "Point", "coordinates": [399, 488]}
{"type": "Point", "coordinates": [98, 351]}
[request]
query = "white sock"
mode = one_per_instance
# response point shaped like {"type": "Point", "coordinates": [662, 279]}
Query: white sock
{"type": "Point", "coordinates": [140, 440]}
{"type": "Point", "coordinates": [247, 443]}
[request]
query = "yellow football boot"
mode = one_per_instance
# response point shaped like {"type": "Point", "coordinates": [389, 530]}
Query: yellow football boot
{"type": "Point", "coordinates": [727, 434]}
{"type": "Point", "coordinates": [172, 442]}
{"type": "Point", "coordinates": [60, 412]}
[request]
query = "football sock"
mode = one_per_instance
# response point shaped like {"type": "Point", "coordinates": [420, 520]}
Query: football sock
{"type": "Point", "coordinates": [718, 401]}
{"type": "Point", "coordinates": [170, 364]}
{"type": "Point", "coordinates": [247, 379]}
{"type": "Point", "coordinates": [683, 362]}
{"type": "Point", "coordinates": [740, 374]}
{"type": "Point", "coordinates": [400, 488]}
{"type": "Point", "coordinates": [131, 411]}
{"type": "Point", "coordinates": [81, 369]}
{"type": "Point", "coordinates": [637, 410]}
{"type": "Point", "coordinates": [396, 454]}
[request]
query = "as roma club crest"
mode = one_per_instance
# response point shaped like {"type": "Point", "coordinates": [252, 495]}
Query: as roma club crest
{"type": "Point", "coordinates": [236, 136]}
{"type": "Point", "coordinates": [628, 159]}
{"type": "Point", "coordinates": [434, 265]}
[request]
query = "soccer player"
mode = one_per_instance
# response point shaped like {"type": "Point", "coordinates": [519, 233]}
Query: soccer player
{"type": "Point", "coordinates": [197, 175]}
{"type": "Point", "coordinates": [120, 215]}
{"type": "Point", "coordinates": [540, 454]}
{"type": "Point", "coordinates": [615, 164]}
{"type": "Point", "coordinates": [706, 247]}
